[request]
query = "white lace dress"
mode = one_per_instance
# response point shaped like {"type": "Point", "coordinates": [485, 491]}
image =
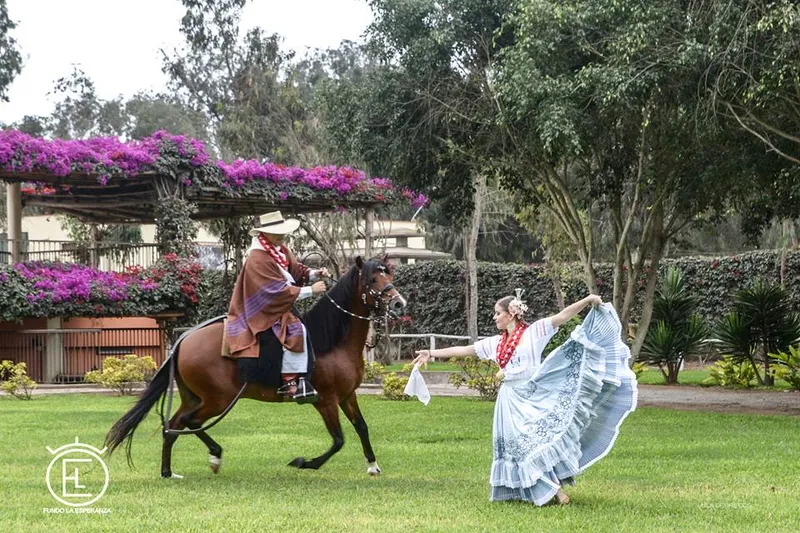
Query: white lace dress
{"type": "Point", "coordinates": [552, 420]}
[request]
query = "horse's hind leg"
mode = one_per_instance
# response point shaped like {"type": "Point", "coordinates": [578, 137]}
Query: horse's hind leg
{"type": "Point", "coordinates": [353, 413]}
{"type": "Point", "coordinates": [176, 422]}
{"type": "Point", "coordinates": [330, 414]}
{"type": "Point", "coordinates": [192, 421]}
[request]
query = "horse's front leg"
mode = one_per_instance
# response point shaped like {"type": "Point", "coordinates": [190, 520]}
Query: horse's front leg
{"type": "Point", "coordinates": [329, 410]}
{"type": "Point", "coordinates": [353, 413]}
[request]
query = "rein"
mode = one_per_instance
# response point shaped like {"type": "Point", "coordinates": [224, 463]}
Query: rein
{"type": "Point", "coordinates": [375, 294]}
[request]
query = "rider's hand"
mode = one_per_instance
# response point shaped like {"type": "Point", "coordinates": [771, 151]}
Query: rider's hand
{"type": "Point", "coordinates": [422, 357]}
{"type": "Point", "coordinates": [323, 273]}
{"type": "Point", "coordinates": [318, 287]}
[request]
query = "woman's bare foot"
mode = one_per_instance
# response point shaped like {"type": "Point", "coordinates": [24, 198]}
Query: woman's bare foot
{"type": "Point", "coordinates": [562, 497]}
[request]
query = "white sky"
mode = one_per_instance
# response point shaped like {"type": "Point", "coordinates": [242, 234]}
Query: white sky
{"type": "Point", "coordinates": [117, 42]}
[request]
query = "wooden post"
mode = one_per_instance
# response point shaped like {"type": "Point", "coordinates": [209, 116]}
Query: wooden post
{"type": "Point", "coordinates": [369, 221]}
{"type": "Point", "coordinates": [14, 210]}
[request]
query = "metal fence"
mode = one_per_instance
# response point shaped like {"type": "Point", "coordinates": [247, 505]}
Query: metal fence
{"type": "Point", "coordinates": [66, 355]}
{"type": "Point", "coordinates": [108, 256]}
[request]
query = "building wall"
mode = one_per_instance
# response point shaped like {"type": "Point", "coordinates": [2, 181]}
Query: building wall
{"type": "Point", "coordinates": [55, 350]}
{"type": "Point", "coordinates": [48, 228]}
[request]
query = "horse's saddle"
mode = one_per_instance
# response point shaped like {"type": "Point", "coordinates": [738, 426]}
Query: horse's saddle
{"type": "Point", "coordinates": [226, 347]}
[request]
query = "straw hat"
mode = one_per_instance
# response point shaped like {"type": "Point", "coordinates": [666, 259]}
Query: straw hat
{"type": "Point", "coordinates": [275, 224]}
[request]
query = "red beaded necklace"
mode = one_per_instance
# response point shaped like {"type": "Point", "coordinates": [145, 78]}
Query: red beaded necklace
{"type": "Point", "coordinates": [279, 256]}
{"type": "Point", "coordinates": [509, 343]}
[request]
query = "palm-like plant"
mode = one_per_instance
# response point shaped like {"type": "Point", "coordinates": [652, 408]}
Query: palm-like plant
{"type": "Point", "coordinates": [762, 322]}
{"type": "Point", "coordinates": [677, 332]}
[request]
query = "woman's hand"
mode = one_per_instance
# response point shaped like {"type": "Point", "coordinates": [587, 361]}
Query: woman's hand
{"type": "Point", "coordinates": [594, 300]}
{"type": "Point", "coordinates": [422, 357]}
{"type": "Point", "coordinates": [323, 273]}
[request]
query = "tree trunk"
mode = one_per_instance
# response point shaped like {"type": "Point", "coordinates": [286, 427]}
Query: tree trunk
{"type": "Point", "coordinates": [656, 250]}
{"type": "Point", "coordinates": [769, 379]}
{"type": "Point", "coordinates": [470, 249]}
{"type": "Point", "coordinates": [755, 369]}
{"type": "Point", "coordinates": [94, 246]}
{"type": "Point", "coordinates": [557, 288]}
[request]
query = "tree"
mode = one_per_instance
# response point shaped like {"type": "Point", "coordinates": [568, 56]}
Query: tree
{"type": "Point", "coordinates": [600, 100]}
{"type": "Point", "coordinates": [10, 66]}
{"type": "Point", "coordinates": [237, 81]}
{"type": "Point", "coordinates": [425, 115]}
{"type": "Point", "coordinates": [755, 75]}
{"type": "Point", "coordinates": [10, 58]}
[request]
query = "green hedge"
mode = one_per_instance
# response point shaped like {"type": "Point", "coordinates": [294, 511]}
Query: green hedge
{"type": "Point", "coordinates": [435, 289]}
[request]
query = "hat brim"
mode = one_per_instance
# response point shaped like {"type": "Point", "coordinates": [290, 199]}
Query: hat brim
{"type": "Point", "coordinates": [287, 226]}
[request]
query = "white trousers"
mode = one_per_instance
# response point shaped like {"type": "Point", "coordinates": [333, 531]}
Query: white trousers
{"type": "Point", "coordinates": [296, 362]}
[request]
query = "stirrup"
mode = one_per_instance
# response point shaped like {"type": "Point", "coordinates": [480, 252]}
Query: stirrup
{"type": "Point", "coordinates": [288, 389]}
{"type": "Point", "coordinates": [305, 392]}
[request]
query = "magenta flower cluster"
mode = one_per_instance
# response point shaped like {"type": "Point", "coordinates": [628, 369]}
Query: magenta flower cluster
{"type": "Point", "coordinates": [66, 282]}
{"type": "Point", "coordinates": [108, 156]}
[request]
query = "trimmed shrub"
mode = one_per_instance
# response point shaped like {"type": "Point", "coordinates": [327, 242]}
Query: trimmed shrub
{"type": "Point", "coordinates": [121, 374]}
{"type": "Point", "coordinates": [435, 289]}
{"type": "Point", "coordinates": [730, 373]}
{"type": "Point", "coordinates": [14, 380]}
{"type": "Point", "coordinates": [479, 375]}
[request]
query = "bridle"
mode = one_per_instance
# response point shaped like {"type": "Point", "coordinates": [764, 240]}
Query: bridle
{"type": "Point", "coordinates": [377, 297]}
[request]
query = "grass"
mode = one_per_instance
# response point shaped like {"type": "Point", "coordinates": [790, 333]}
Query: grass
{"type": "Point", "coordinates": [669, 471]}
{"type": "Point", "coordinates": [431, 367]}
{"type": "Point", "coordinates": [651, 377]}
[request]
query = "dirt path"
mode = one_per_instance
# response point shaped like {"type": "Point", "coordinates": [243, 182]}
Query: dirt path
{"type": "Point", "coordinates": [686, 397]}
{"type": "Point", "coordinates": [720, 400]}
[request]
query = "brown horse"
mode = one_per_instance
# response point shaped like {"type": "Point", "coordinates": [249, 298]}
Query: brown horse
{"type": "Point", "coordinates": [209, 383]}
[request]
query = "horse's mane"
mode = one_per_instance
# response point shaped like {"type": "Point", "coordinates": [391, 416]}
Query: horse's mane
{"type": "Point", "coordinates": [327, 325]}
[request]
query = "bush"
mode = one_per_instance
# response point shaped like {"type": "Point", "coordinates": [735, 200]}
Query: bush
{"type": "Point", "coordinates": [676, 332]}
{"type": "Point", "coordinates": [394, 385]}
{"type": "Point", "coordinates": [52, 289]}
{"type": "Point", "coordinates": [121, 374]}
{"type": "Point", "coordinates": [787, 366]}
{"type": "Point", "coordinates": [14, 380]}
{"type": "Point", "coordinates": [730, 373]}
{"type": "Point", "coordinates": [562, 336]}
{"type": "Point", "coordinates": [478, 374]}
{"type": "Point", "coordinates": [373, 372]}
{"type": "Point", "coordinates": [639, 369]}
{"type": "Point", "coordinates": [761, 323]}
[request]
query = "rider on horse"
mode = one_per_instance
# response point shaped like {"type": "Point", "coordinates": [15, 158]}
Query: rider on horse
{"type": "Point", "coordinates": [265, 292]}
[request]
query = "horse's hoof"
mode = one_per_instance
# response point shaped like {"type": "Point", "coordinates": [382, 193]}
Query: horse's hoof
{"type": "Point", "coordinates": [215, 463]}
{"type": "Point", "coordinates": [373, 469]}
{"type": "Point", "coordinates": [172, 476]}
{"type": "Point", "coordinates": [298, 462]}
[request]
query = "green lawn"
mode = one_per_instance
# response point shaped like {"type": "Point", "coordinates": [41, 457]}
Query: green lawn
{"type": "Point", "coordinates": [651, 377]}
{"type": "Point", "coordinates": [670, 471]}
{"type": "Point", "coordinates": [431, 367]}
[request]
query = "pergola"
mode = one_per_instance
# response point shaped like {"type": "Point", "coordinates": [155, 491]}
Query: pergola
{"type": "Point", "coordinates": [105, 181]}
{"type": "Point", "coordinates": [133, 200]}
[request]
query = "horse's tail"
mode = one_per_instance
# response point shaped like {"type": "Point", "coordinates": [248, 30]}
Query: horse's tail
{"type": "Point", "coordinates": [124, 428]}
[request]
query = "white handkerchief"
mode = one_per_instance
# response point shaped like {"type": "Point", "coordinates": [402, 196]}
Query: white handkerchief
{"type": "Point", "coordinates": [416, 386]}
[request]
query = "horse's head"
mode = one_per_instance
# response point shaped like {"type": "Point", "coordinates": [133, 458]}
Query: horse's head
{"type": "Point", "coordinates": [377, 291]}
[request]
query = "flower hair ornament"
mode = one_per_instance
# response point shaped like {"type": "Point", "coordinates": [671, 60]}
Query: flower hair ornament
{"type": "Point", "coordinates": [517, 307]}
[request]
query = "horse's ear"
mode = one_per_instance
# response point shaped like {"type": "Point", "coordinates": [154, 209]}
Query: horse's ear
{"type": "Point", "coordinates": [385, 258]}
{"type": "Point", "coordinates": [359, 262]}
